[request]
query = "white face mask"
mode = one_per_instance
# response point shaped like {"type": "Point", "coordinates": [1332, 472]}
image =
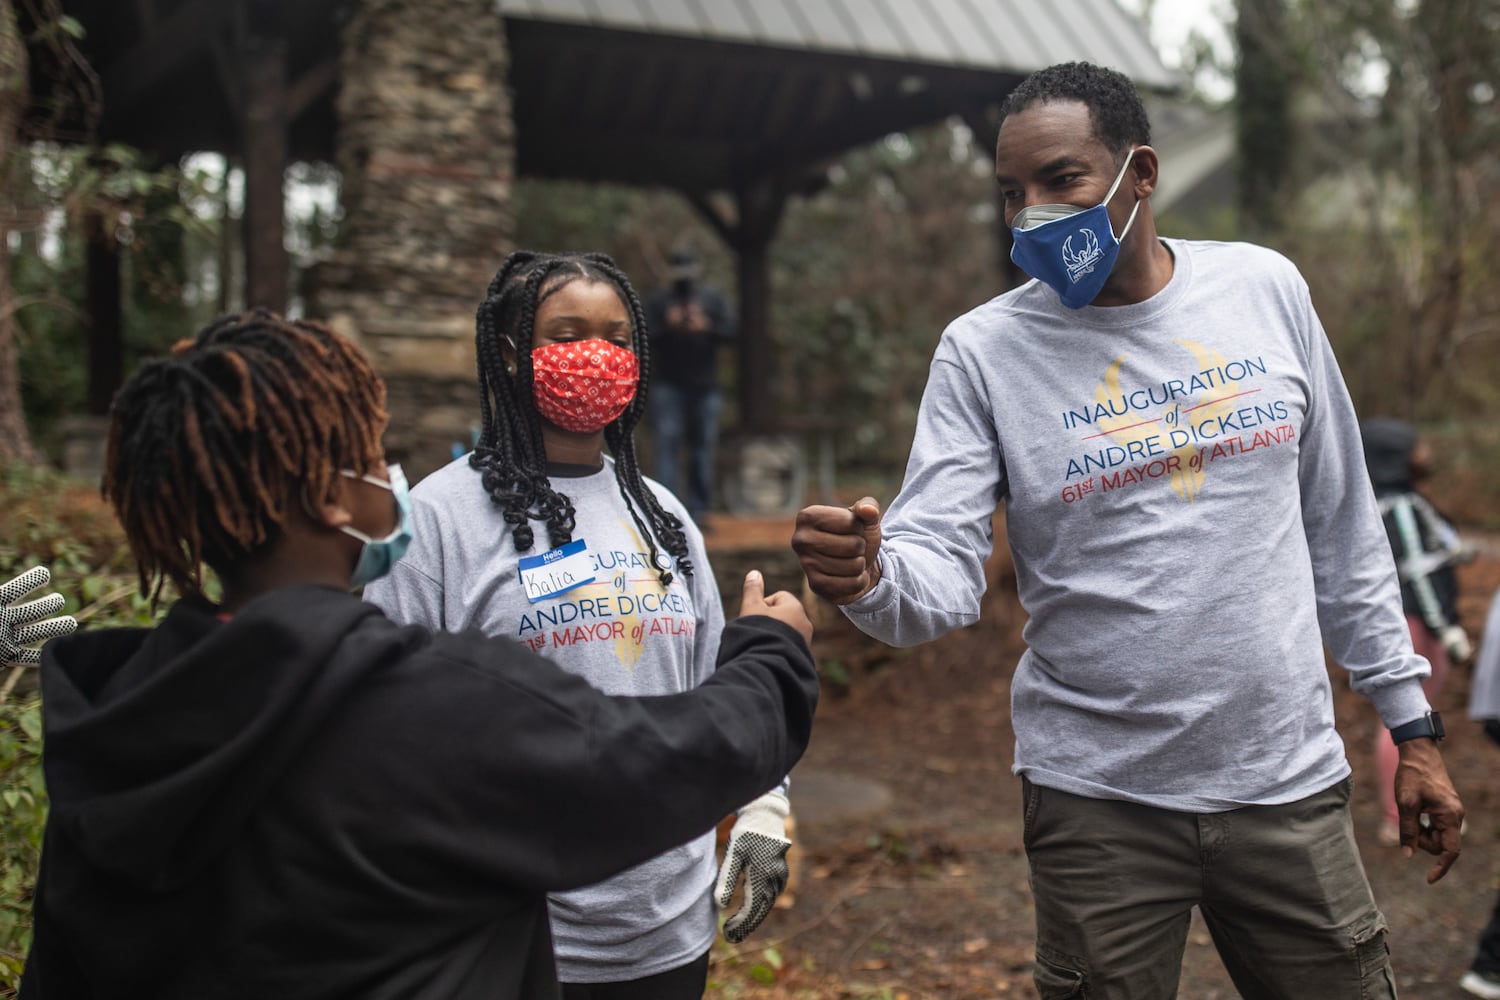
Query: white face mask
{"type": "Point", "coordinates": [380, 554]}
{"type": "Point", "coordinates": [1039, 215]}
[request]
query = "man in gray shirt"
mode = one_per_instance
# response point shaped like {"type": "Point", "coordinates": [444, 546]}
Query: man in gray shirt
{"type": "Point", "coordinates": [1190, 519]}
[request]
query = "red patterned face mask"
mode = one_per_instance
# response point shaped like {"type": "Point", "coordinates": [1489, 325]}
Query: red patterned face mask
{"type": "Point", "coordinates": [583, 385]}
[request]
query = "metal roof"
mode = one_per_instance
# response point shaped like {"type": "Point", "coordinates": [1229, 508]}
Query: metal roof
{"type": "Point", "coordinates": [1010, 36]}
{"type": "Point", "coordinates": [704, 95]}
{"type": "Point", "coordinates": [698, 95]}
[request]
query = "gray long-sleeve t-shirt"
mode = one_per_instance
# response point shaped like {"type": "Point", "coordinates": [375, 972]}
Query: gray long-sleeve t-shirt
{"type": "Point", "coordinates": [1484, 694]}
{"type": "Point", "coordinates": [624, 633]}
{"type": "Point", "coordinates": [1190, 519]}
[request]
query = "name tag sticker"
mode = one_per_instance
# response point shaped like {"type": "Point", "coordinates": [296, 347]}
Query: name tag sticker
{"type": "Point", "coordinates": [557, 572]}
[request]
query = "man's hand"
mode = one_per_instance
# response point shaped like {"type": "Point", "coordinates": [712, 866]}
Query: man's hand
{"type": "Point", "coordinates": [839, 548]}
{"type": "Point", "coordinates": [757, 848]}
{"type": "Point", "coordinates": [1423, 789]}
{"type": "Point", "coordinates": [782, 606]}
{"type": "Point", "coordinates": [23, 624]}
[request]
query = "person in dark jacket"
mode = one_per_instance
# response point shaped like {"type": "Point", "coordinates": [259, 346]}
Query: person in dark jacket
{"type": "Point", "coordinates": [284, 794]}
{"type": "Point", "coordinates": [1426, 548]}
{"type": "Point", "coordinates": [689, 321]}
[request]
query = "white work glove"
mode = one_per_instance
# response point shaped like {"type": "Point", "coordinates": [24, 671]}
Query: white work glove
{"type": "Point", "coordinates": [1456, 644]}
{"type": "Point", "coordinates": [22, 624]}
{"type": "Point", "coordinates": [757, 847]}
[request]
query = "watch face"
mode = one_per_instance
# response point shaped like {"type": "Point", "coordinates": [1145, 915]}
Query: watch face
{"type": "Point", "coordinates": [1437, 725]}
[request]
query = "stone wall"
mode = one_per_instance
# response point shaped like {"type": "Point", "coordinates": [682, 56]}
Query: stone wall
{"type": "Point", "coordinates": [427, 153]}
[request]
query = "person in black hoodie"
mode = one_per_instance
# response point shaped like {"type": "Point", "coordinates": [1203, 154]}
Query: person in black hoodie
{"type": "Point", "coordinates": [1426, 548]}
{"type": "Point", "coordinates": [287, 795]}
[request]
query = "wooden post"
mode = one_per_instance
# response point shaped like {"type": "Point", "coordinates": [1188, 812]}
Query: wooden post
{"type": "Point", "coordinates": [263, 136]}
{"type": "Point", "coordinates": [754, 344]}
{"type": "Point", "coordinates": [760, 205]}
{"type": "Point", "coordinates": [105, 306]}
{"type": "Point", "coordinates": [225, 248]}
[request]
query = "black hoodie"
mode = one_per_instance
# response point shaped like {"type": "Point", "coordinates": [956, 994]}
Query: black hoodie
{"type": "Point", "coordinates": [311, 801]}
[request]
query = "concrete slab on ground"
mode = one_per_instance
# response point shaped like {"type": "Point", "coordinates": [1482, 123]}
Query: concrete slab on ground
{"type": "Point", "coordinates": [822, 797]}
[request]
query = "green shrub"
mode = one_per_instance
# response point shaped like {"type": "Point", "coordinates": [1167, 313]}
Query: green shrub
{"type": "Point", "coordinates": [57, 522]}
{"type": "Point", "coordinates": [23, 813]}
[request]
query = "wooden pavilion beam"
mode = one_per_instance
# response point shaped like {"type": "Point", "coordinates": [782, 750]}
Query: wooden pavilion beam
{"type": "Point", "coordinates": [646, 90]}
{"type": "Point", "coordinates": [636, 159]}
{"type": "Point", "coordinates": [145, 12]}
{"type": "Point", "coordinates": [310, 86]}
{"type": "Point", "coordinates": [851, 128]}
{"type": "Point", "coordinates": [759, 204]}
{"type": "Point", "coordinates": [227, 68]}
{"type": "Point", "coordinates": [792, 93]}
{"type": "Point", "coordinates": [760, 208]}
{"type": "Point", "coordinates": [264, 121]}
{"type": "Point", "coordinates": [171, 43]}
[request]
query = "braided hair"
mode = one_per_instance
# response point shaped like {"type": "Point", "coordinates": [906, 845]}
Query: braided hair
{"type": "Point", "coordinates": [510, 456]}
{"type": "Point", "coordinates": [208, 446]}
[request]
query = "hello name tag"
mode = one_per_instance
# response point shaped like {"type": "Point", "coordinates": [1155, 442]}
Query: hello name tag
{"type": "Point", "coordinates": [557, 572]}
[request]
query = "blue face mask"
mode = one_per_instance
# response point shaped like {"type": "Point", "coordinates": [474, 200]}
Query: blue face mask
{"type": "Point", "coordinates": [380, 554]}
{"type": "Point", "coordinates": [1069, 248]}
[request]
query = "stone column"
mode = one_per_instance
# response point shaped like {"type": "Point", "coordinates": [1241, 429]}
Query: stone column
{"type": "Point", "coordinates": [427, 153]}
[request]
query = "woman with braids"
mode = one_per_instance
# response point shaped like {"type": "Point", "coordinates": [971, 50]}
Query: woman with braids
{"type": "Point", "coordinates": [542, 537]}
{"type": "Point", "coordinates": [285, 794]}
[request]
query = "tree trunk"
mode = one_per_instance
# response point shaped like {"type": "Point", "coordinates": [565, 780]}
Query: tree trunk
{"type": "Point", "coordinates": [1262, 105]}
{"type": "Point", "coordinates": [1456, 69]}
{"type": "Point", "coordinates": [15, 439]}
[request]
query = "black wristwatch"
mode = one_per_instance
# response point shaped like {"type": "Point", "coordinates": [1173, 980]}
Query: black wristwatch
{"type": "Point", "coordinates": [1429, 725]}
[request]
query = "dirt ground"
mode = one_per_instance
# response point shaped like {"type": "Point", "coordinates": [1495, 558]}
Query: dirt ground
{"type": "Point", "coordinates": [926, 896]}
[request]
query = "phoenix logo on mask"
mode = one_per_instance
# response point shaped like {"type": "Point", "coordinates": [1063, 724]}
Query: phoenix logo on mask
{"type": "Point", "coordinates": [1082, 262]}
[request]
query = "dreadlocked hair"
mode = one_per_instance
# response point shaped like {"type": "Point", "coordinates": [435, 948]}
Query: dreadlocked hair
{"type": "Point", "coordinates": [510, 456]}
{"type": "Point", "coordinates": [209, 445]}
